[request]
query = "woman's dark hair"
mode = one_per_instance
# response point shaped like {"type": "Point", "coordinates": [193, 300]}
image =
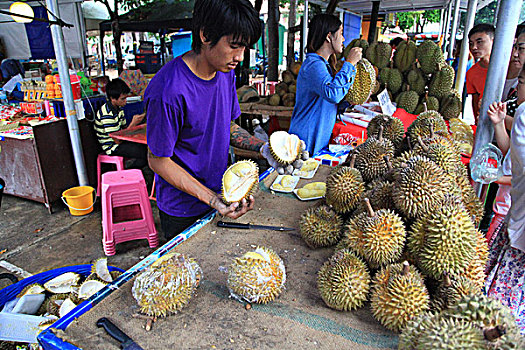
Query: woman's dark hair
{"type": "Point", "coordinates": [115, 88]}
{"type": "Point", "coordinates": [318, 29]}
{"type": "Point", "coordinates": [218, 18]}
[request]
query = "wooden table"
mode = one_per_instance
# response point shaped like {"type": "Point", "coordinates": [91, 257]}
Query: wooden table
{"type": "Point", "coordinates": [133, 134]}
{"type": "Point", "coordinates": [280, 116]}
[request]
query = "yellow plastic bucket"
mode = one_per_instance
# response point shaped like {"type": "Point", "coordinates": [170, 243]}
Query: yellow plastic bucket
{"type": "Point", "coordinates": [79, 200]}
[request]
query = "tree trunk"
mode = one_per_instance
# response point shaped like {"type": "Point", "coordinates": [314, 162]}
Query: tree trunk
{"type": "Point", "coordinates": [118, 49]}
{"type": "Point", "coordinates": [273, 40]}
{"type": "Point", "coordinates": [290, 56]}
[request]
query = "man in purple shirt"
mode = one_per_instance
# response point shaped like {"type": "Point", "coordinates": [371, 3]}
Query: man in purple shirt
{"type": "Point", "coordinates": [190, 104]}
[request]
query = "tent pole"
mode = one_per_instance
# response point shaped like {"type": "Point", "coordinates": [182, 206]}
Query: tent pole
{"type": "Point", "coordinates": [304, 36]}
{"type": "Point", "coordinates": [463, 60]}
{"type": "Point", "coordinates": [373, 21]}
{"type": "Point", "coordinates": [508, 17]}
{"type": "Point", "coordinates": [69, 104]}
{"type": "Point", "coordinates": [452, 42]}
{"type": "Point", "coordinates": [440, 31]}
{"type": "Point", "coordinates": [447, 27]}
{"type": "Point", "coordinates": [102, 67]}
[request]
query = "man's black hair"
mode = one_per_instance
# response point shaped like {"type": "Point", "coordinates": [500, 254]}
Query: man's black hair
{"type": "Point", "coordinates": [396, 41]}
{"type": "Point", "coordinates": [115, 88]}
{"type": "Point", "coordinates": [318, 29]}
{"type": "Point", "coordinates": [483, 28]}
{"type": "Point", "coordinates": [218, 18]}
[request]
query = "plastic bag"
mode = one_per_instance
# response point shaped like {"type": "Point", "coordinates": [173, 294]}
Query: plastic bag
{"type": "Point", "coordinates": [486, 164]}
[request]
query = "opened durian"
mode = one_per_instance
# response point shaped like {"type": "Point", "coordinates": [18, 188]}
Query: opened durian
{"type": "Point", "coordinates": [321, 227]}
{"type": "Point", "coordinates": [344, 187]}
{"type": "Point", "coordinates": [344, 281]}
{"type": "Point", "coordinates": [100, 268]}
{"type": "Point", "coordinates": [239, 181]}
{"type": "Point", "coordinates": [88, 288]}
{"type": "Point", "coordinates": [62, 283]}
{"type": "Point", "coordinates": [285, 147]}
{"type": "Point", "coordinates": [257, 277]}
{"type": "Point", "coordinates": [167, 285]}
{"type": "Point", "coordinates": [398, 294]}
{"type": "Point", "coordinates": [34, 288]}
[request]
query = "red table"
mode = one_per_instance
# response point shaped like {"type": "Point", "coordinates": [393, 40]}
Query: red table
{"type": "Point", "coordinates": [133, 134]}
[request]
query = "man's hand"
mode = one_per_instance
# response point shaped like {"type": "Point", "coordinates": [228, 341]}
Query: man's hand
{"type": "Point", "coordinates": [497, 112]}
{"type": "Point", "coordinates": [234, 210]}
{"type": "Point", "coordinates": [138, 118]}
{"type": "Point", "coordinates": [280, 168]}
{"type": "Point", "coordinates": [355, 55]}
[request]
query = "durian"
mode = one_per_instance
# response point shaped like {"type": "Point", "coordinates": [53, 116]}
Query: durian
{"type": "Point", "coordinates": [66, 306]}
{"type": "Point", "coordinates": [257, 277]}
{"type": "Point", "coordinates": [451, 105]}
{"type": "Point", "coordinates": [408, 100]}
{"type": "Point", "coordinates": [88, 288]}
{"type": "Point", "coordinates": [410, 335]}
{"type": "Point", "coordinates": [430, 56]}
{"type": "Point", "coordinates": [62, 283]}
{"type": "Point", "coordinates": [344, 281]}
{"type": "Point", "coordinates": [239, 181]}
{"type": "Point", "coordinates": [392, 128]}
{"type": "Point", "coordinates": [355, 43]}
{"type": "Point", "coordinates": [398, 294]}
{"type": "Point", "coordinates": [405, 55]}
{"type": "Point", "coordinates": [442, 82]}
{"type": "Point", "coordinates": [391, 78]}
{"type": "Point", "coordinates": [100, 268]}
{"type": "Point", "coordinates": [167, 286]}
{"type": "Point", "coordinates": [321, 227]}
{"type": "Point", "coordinates": [285, 147]}
{"type": "Point", "coordinates": [34, 288]}
{"type": "Point", "coordinates": [344, 187]}
{"type": "Point", "coordinates": [450, 334]}
{"type": "Point", "coordinates": [427, 123]}
{"type": "Point", "coordinates": [417, 81]}
{"type": "Point", "coordinates": [370, 155]}
{"type": "Point", "coordinates": [379, 54]}
{"type": "Point", "coordinates": [451, 290]}
{"type": "Point", "coordinates": [364, 82]}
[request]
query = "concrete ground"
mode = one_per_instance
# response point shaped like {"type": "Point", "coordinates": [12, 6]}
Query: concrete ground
{"type": "Point", "coordinates": [33, 241]}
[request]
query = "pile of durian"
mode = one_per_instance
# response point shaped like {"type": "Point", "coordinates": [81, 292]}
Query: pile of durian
{"type": "Point", "coordinates": [285, 90]}
{"type": "Point", "coordinates": [402, 215]}
{"type": "Point", "coordinates": [415, 76]}
{"type": "Point", "coordinates": [64, 292]}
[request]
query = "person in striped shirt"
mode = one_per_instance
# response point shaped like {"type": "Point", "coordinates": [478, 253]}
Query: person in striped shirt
{"type": "Point", "coordinates": [110, 118]}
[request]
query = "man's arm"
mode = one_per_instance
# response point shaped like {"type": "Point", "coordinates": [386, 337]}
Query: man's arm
{"type": "Point", "coordinates": [136, 120]}
{"type": "Point", "coordinates": [181, 179]}
{"type": "Point", "coordinates": [475, 106]}
{"type": "Point", "coordinates": [241, 138]}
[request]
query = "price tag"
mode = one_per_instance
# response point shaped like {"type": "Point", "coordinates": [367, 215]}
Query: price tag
{"type": "Point", "coordinates": [386, 105]}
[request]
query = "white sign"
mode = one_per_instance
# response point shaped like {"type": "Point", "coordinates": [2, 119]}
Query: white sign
{"type": "Point", "coordinates": [386, 105]}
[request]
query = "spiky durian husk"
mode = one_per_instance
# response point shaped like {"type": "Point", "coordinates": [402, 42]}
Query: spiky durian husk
{"type": "Point", "coordinates": [429, 56]}
{"type": "Point", "coordinates": [442, 82]}
{"type": "Point", "coordinates": [444, 156]}
{"type": "Point", "coordinates": [257, 277]}
{"type": "Point", "coordinates": [449, 295]}
{"type": "Point", "coordinates": [244, 176]}
{"type": "Point", "coordinates": [393, 174]}
{"type": "Point", "coordinates": [370, 158]}
{"type": "Point", "coordinates": [50, 303]}
{"type": "Point", "coordinates": [167, 286]}
{"type": "Point", "coordinates": [408, 100]}
{"type": "Point", "coordinates": [379, 193]}
{"type": "Point", "coordinates": [421, 187]}
{"type": "Point", "coordinates": [405, 55]}
{"type": "Point", "coordinates": [379, 54]}
{"type": "Point", "coordinates": [364, 81]}
{"type": "Point", "coordinates": [100, 267]}
{"type": "Point", "coordinates": [451, 334]}
{"type": "Point", "coordinates": [62, 283]}
{"type": "Point", "coordinates": [321, 227]}
{"type": "Point", "coordinates": [391, 78]}
{"type": "Point", "coordinates": [409, 337]}
{"type": "Point", "coordinates": [392, 128]}
{"type": "Point", "coordinates": [475, 271]}
{"type": "Point", "coordinates": [485, 312]}
{"type": "Point", "coordinates": [344, 281]}
{"type": "Point", "coordinates": [470, 199]}
{"type": "Point", "coordinates": [397, 297]}
{"type": "Point", "coordinates": [34, 288]}
{"type": "Point", "coordinates": [417, 81]}
{"type": "Point", "coordinates": [292, 147]}
{"type": "Point", "coordinates": [421, 126]}
{"type": "Point", "coordinates": [344, 187]}
{"type": "Point", "coordinates": [449, 241]}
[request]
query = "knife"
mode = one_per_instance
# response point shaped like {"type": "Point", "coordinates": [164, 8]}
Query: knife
{"type": "Point", "coordinates": [252, 227]}
{"type": "Point", "coordinates": [126, 343]}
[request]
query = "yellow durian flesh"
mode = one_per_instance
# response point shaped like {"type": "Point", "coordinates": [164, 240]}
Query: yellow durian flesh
{"type": "Point", "coordinates": [315, 186]}
{"type": "Point", "coordinates": [285, 147]}
{"type": "Point", "coordinates": [305, 193]}
{"type": "Point", "coordinates": [239, 181]}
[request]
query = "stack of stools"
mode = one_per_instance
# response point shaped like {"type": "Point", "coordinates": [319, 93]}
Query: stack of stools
{"type": "Point", "coordinates": [126, 210]}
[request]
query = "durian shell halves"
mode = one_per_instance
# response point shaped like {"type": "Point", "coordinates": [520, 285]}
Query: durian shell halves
{"type": "Point", "coordinates": [239, 181]}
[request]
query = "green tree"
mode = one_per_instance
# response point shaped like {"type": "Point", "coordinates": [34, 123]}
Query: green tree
{"type": "Point", "coordinates": [406, 20]}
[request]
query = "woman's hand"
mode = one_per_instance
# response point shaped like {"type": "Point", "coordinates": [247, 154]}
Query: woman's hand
{"type": "Point", "coordinates": [355, 55]}
{"type": "Point", "coordinates": [234, 210]}
{"type": "Point", "coordinates": [497, 112]}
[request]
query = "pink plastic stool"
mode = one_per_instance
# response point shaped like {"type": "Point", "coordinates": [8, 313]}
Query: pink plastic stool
{"type": "Point", "coordinates": [103, 158]}
{"type": "Point", "coordinates": [126, 210]}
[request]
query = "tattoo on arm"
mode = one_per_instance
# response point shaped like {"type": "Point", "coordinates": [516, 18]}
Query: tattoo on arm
{"type": "Point", "coordinates": [242, 139]}
{"type": "Point", "coordinates": [151, 155]}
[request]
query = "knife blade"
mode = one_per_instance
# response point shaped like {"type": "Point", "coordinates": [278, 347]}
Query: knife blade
{"type": "Point", "coordinates": [252, 226]}
{"type": "Point", "coordinates": [126, 343]}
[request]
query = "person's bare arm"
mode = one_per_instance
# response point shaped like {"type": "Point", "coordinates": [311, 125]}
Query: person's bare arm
{"type": "Point", "coordinates": [497, 113]}
{"type": "Point", "coordinates": [181, 179]}
{"type": "Point", "coordinates": [137, 119]}
{"type": "Point", "coordinates": [504, 180]}
{"type": "Point", "coordinates": [241, 138]}
{"type": "Point", "coordinates": [508, 122]}
{"type": "Point", "coordinates": [475, 106]}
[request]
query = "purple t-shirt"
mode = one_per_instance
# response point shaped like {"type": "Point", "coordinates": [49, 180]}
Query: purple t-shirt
{"type": "Point", "coordinates": [189, 121]}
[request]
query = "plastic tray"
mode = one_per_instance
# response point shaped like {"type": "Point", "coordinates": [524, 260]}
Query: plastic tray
{"type": "Point", "coordinates": [309, 174]}
{"type": "Point", "coordinates": [278, 179]}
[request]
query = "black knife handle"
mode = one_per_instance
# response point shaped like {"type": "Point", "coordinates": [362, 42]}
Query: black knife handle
{"type": "Point", "coordinates": [113, 330]}
{"type": "Point", "coordinates": [233, 225]}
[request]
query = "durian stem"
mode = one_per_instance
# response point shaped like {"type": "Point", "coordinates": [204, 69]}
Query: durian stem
{"type": "Point", "coordinates": [406, 268]}
{"type": "Point", "coordinates": [408, 87]}
{"type": "Point", "coordinates": [447, 280]}
{"type": "Point", "coordinates": [432, 131]}
{"type": "Point", "coordinates": [409, 143]}
{"type": "Point", "coordinates": [381, 128]}
{"type": "Point", "coordinates": [494, 333]}
{"type": "Point", "coordinates": [388, 163]}
{"type": "Point", "coordinates": [371, 212]}
{"type": "Point", "coordinates": [425, 106]}
{"type": "Point", "coordinates": [422, 144]}
{"type": "Point", "coordinates": [352, 160]}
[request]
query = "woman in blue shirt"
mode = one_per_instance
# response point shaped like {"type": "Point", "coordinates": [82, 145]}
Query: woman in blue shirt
{"type": "Point", "coordinates": [319, 90]}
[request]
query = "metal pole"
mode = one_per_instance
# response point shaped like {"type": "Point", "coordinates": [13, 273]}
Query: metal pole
{"type": "Point", "coordinates": [508, 17]}
{"type": "Point", "coordinates": [447, 27]}
{"type": "Point", "coordinates": [305, 28]}
{"type": "Point", "coordinates": [102, 66]}
{"type": "Point", "coordinates": [67, 93]}
{"type": "Point", "coordinates": [496, 13]}
{"type": "Point", "coordinates": [440, 31]}
{"type": "Point", "coordinates": [373, 22]}
{"type": "Point", "coordinates": [463, 58]}
{"type": "Point", "coordinates": [454, 29]}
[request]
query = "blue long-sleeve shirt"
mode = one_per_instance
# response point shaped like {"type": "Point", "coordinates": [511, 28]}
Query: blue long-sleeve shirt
{"type": "Point", "coordinates": [317, 96]}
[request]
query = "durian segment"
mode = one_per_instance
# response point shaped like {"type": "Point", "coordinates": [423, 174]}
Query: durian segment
{"type": "Point", "coordinates": [167, 286]}
{"type": "Point", "coordinates": [315, 186]}
{"type": "Point", "coordinates": [34, 288]}
{"type": "Point", "coordinates": [285, 147]}
{"type": "Point", "coordinates": [398, 294]}
{"type": "Point", "coordinates": [53, 303]}
{"type": "Point", "coordinates": [305, 193]}
{"type": "Point", "coordinates": [62, 283]}
{"type": "Point", "coordinates": [364, 82]}
{"type": "Point", "coordinates": [88, 288]}
{"type": "Point", "coordinates": [344, 281]}
{"type": "Point", "coordinates": [100, 267]}
{"type": "Point", "coordinates": [239, 181]}
{"type": "Point", "coordinates": [67, 305]}
{"type": "Point", "coordinates": [320, 227]}
{"type": "Point", "coordinates": [309, 165]}
{"type": "Point", "coordinates": [257, 280]}
{"type": "Point", "coordinates": [287, 181]}
{"type": "Point", "coordinates": [450, 334]}
{"type": "Point", "coordinates": [344, 187]}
